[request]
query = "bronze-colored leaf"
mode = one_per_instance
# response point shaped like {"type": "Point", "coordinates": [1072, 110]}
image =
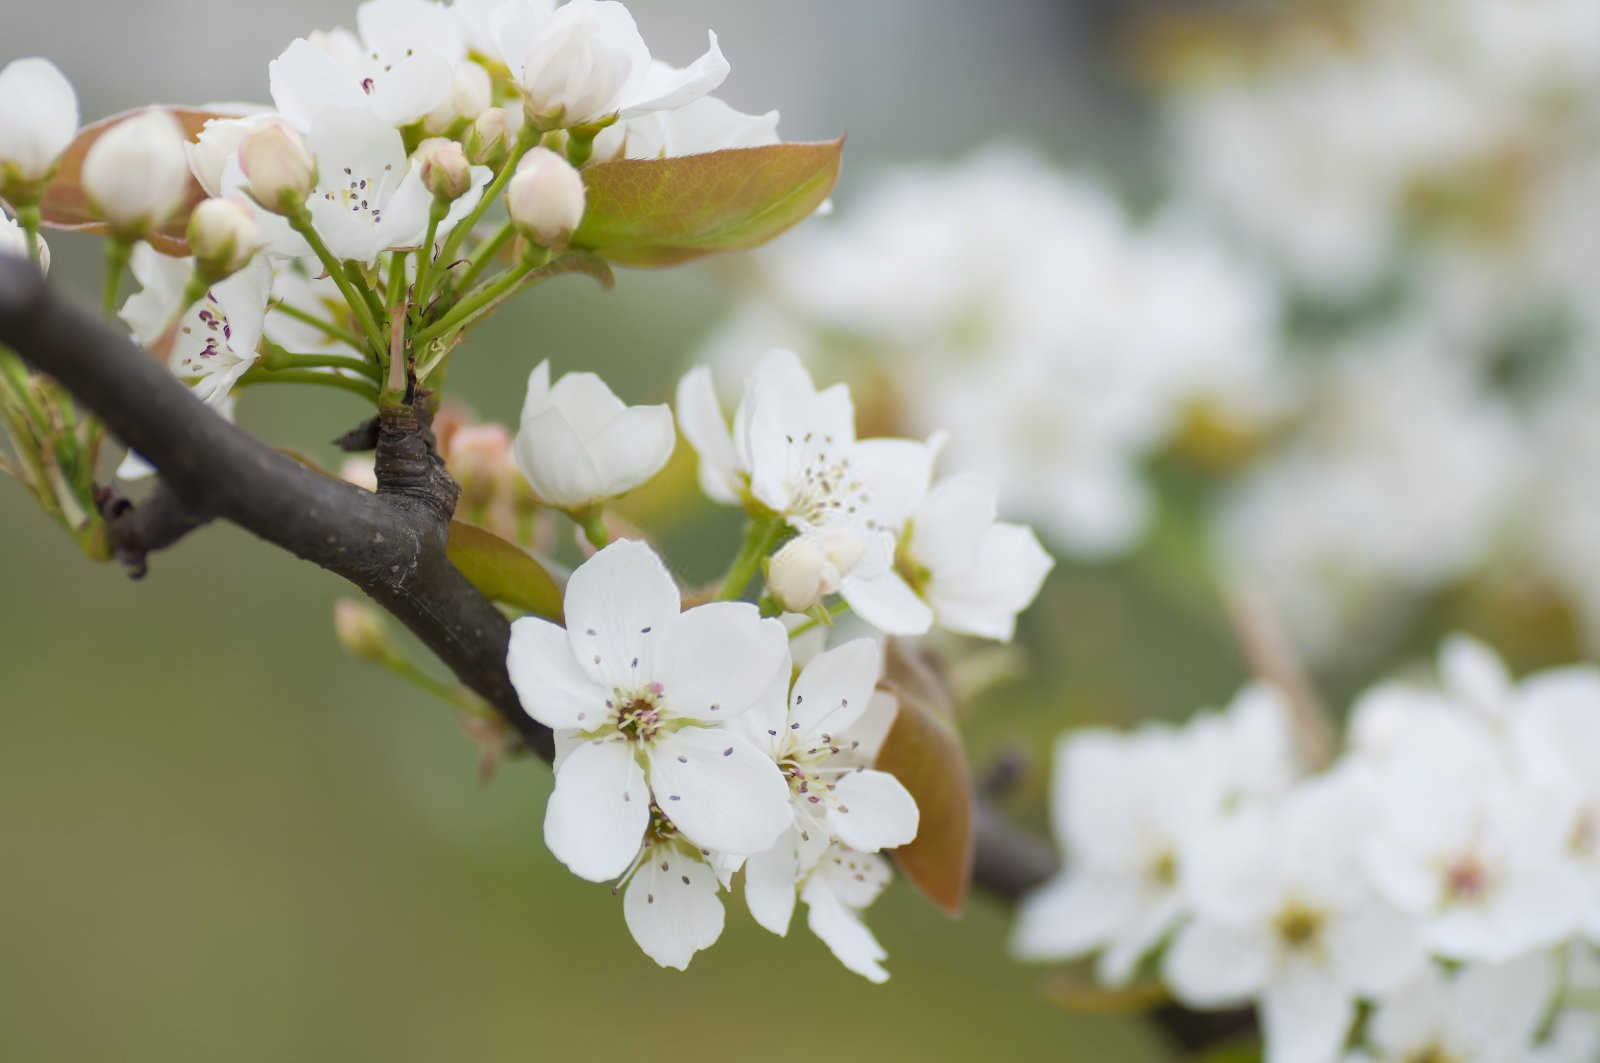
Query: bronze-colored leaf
{"type": "Point", "coordinates": [503, 571]}
{"type": "Point", "coordinates": [923, 750]}
{"type": "Point", "coordinates": [659, 212]}
{"type": "Point", "coordinates": [66, 206]}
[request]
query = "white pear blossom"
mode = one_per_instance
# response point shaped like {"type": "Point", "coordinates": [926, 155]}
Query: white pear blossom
{"type": "Point", "coordinates": [297, 287]}
{"type": "Point", "coordinates": [274, 165]}
{"type": "Point", "coordinates": [1279, 917]}
{"type": "Point", "coordinates": [215, 341]}
{"type": "Point", "coordinates": [1483, 1013]}
{"type": "Point", "coordinates": [793, 451]}
{"type": "Point", "coordinates": [1124, 809]}
{"type": "Point", "coordinates": [578, 444]}
{"type": "Point", "coordinates": [810, 567]}
{"type": "Point", "coordinates": [950, 562]}
{"type": "Point", "coordinates": [843, 884]}
{"type": "Point", "coordinates": [471, 93]}
{"type": "Point", "coordinates": [38, 119]}
{"type": "Point", "coordinates": [223, 235]}
{"type": "Point", "coordinates": [638, 693]}
{"type": "Point", "coordinates": [545, 198]}
{"type": "Point", "coordinates": [401, 65]}
{"type": "Point", "coordinates": [136, 174]}
{"type": "Point", "coordinates": [585, 62]}
{"type": "Point", "coordinates": [218, 143]}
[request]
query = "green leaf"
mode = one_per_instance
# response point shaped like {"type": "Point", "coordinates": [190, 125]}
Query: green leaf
{"type": "Point", "coordinates": [923, 750]}
{"type": "Point", "coordinates": [66, 206]}
{"type": "Point", "coordinates": [503, 571]}
{"type": "Point", "coordinates": [659, 212]}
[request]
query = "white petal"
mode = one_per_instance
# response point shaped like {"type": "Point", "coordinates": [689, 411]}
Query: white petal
{"type": "Point", "coordinates": [671, 907]}
{"type": "Point", "coordinates": [1155, 913]}
{"type": "Point", "coordinates": [411, 88]}
{"type": "Point", "coordinates": [1072, 914]}
{"type": "Point", "coordinates": [843, 932]}
{"type": "Point", "coordinates": [537, 396]}
{"type": "Point", "coordinates": [41, 115]}
{"type": "Point", "coordinates": [1305, 1018]}
{"type": "Point", "coordinates": [556, 464]}
{"type": "Point", "coordinates": [769, 884]}
{"type": "Point", "coordinates": [616, 604]}
{"type": "Point", "coordinates": [702, 424]}
{"type": "Point", "coordinates": [1374, 948]}
{"type": "Point", "coordinates": [1210, 964]}
{"type": "Point", "coordinates": [632, 448]}
{"type": "Point", "coordinates": [305, 80]}
{"type": "Point", "coordinates": [876, 593]}
{"type": "Point", "coordinates": [1474, 673]}
{"type": "Point", "coordinates": [662, 88]}
{"type": "Point", "coordinates": [716, 661]}
{"type": "Point", "coordinates": [1011, 567]}
{"type": "Point", "coordinates": [855, 878]}
{"type": "Point", "coordinates": [552, 687]}
{"type": "Point", "coordinates": [873, 811]}
{"type": "Point", "coordinates": [588, 403]}
{"type": "Point", "coordinates": [720, 791]}
{"type": "Point", "coordinates": [896, 473]}
{"type": "Point", "coordinates": [949, 525]}
{"type": "Point", "coordinates": [598, 811]}
{"type": "Point", "coordinates": [834, 690]}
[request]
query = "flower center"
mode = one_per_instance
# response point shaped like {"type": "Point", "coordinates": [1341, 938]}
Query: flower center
{"type": "Point", "coordinates": [1163, 870]}
{"type": "Point", "coordinates": [358, 194]}
{"type": "Point", "coordinates": [826, 489]}
{"type": "Point", "coordinates": [1585, 840]}
{"type": "Point", "coordinates": [1432, 1054]}
{"type": "Point", "coordinates": [215, 330]}
{"type": "Point", "coordinates": [1298, 926]}
{"type": "Point", "coordinates": [1466, 880]}
{"type": "Point", "coordinates": [639, 719]}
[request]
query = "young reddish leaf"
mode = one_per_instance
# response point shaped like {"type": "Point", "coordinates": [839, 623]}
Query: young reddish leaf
{"type": "Point", "coordinates": [659, 212]}
{"type": "Point", "coordinates": [923, 750]}
{"type": "Point", "coordinates": [65, 206]}
{"type": "Point", "coordinates": [503, 571]}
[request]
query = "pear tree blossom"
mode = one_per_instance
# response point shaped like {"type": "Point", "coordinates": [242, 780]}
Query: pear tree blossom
{"type": "Point", "coordinates": [1481, 1012]}
{"type": "Point", "coordinates": [39, 120]}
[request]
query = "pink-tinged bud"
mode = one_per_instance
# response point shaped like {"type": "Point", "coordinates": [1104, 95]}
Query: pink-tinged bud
{"type": "Point", "coordinates": [360, 630]}
{"type": "Point", "coordinates": [136, 175]}
{"type": "Point", "coordinates": [489, 140]}
{"type": "Point", "coordinates": [280, 172]}
{"type": "Point", "coordinates": [545, 198]}
{"type": "Point", "coordinates": [477, 458]}
{"type": "Point", "coordinates": [445, 170]}
{"type": "Point", "coordinates": [223, 235]}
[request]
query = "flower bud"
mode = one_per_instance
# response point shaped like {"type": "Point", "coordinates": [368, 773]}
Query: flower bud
{"type": "Point", "coordinates": [489, 140]}
{"type": "Point", "coordinates": [360, 472]}
{"type": "Point", "coordinates": [136, 175]}
{"type": "Point", "coordinates": [223, 235]}
{"type": "Point", "coordinates": [471, 93]}
{"type": "Point", "coordinates": [810, 567]}
{"type": "Point", "coordinates": [38, 119]}
{"type": "Point", "coordinates": [477, 457]}
{"type": "Point", "coordinates": [545, 198]}
{"type": "Point", "coordinates": [14, 241]}
{"type": "Point", "coordinates": [360, 630]}
{"type": "Point", "coordinates": [445, 170]}
{"type": "Point", "coordinates": [279, 171]}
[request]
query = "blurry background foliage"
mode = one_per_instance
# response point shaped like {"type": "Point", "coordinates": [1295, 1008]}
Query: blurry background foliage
{"type": "Point", "coordinates": [225, 840]}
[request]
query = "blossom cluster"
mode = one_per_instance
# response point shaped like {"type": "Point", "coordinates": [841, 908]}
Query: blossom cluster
{"type": "Point", "coordinates": [693, 743]}
{"type": "Point", "coordinates": [1434, 893]}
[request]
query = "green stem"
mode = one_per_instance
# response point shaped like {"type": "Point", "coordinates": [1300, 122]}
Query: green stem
{"type": "Point", "coordinates": [833, 612]}
{"type": "Point", "coordinates": [300, 221]}
{"type": "Point", "coordinates": [425, 261]}
{"type": "Point", "coordinates": [117, 254]}
{"type": "Point", "coordinates": [525, 141]}
{"type": "Point", "coordinates": [759, 536]}
{"type": "Point", "coordinates": [397, 280]}
{"type": "Point", "coordinates": [456, 695]}
{"type": "Point", "coordinates": [261, 375]}
{"type": "Point", "coordinates": [477, 302]}
{"type": "Point", "coordinates": [484, 255]}
{"type": "Point", "coordinates": [327, 328]}
{"type": "Point", "coordinates": [593, 522]}
{"type": "Point", "coordinates": [28, 218]}
{"type": "Point", "coordinates": [359, 282]}
{"type": "Point", "coordinates": [275, 359]}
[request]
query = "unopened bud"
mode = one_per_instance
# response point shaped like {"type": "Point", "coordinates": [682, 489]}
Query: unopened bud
{"type": "Point", "coordinates": [810, 567]}
{"type": "Point", "coordinates": [360, 629]}
{"type": "Point", "coordinates": [223, 235]}
{"type": "Point", "coordinates": [136, 175]}
{"type": "Point", "coordinates": [279, 171]}
{"type": "Point", "coordinates": [545, 198]}
{"type": "Point", "coordinates": [489, 140]}
{"type": "Point", "coordinates": [471, 93]}
{"type": "Point", "coordinates": [38, 119]}
{"type": "Point", "coordinates": [477, 457]}
{"type": "Point", "coordinates": [445, 170]}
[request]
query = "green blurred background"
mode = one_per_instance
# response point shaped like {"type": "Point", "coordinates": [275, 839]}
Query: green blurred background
{"type": "Point", "coordinates": [225, 840]}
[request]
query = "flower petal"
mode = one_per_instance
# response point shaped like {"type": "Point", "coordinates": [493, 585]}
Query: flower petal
{"type": "Point", "coordinates": [834, 690]}
{"type": "Point", "coordinates": [305, 81]}
{"type": "Point", "coordinates": [843, 932]}
{"type": "Point", "coordinates": [1072, 914]}
{"type": "Point", "coordinates": [616, 605]}
{"type": "Point", "coordinates": [769, 881]}
{"type": "Point", "coordinates": [660, 87]}
{"type": "Point", "coordinates": [554, 461]}
{"type": "Point", "coordinates": [598, 811]}
{"type": "Point", "coordinates": [671, 907]}
{"type": "Point", "coordinates": [1211, 964]}
{"type": "Point", "coordinates": [872, 811]}
{"type": "Point", "coordinates": [700, 419]}
{"type": "Point", "coordinates": [720, 791]}
{"type": "Point", "coordinates": [632, 448]}
{"type": "Point", "coordinates": [984, 601]}
{"type": "Point", "coordinates": [895, 473]}
{"type": "Point", "coordinates": [1305, 1017]}
{"type": "Point", "coordinates": [552, 687]}
{"type": "Point", "coordinates": [716, 661]}
{"type": "Point", "coordinates": [876, 593]}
